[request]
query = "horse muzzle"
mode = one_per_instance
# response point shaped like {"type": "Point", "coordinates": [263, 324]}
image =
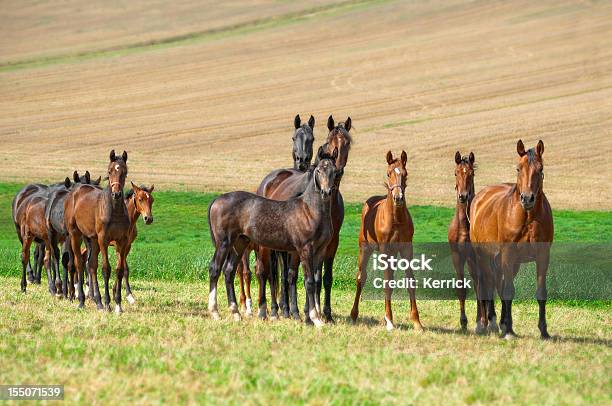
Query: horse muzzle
{"type": "Point", "coordinates": [527, 200]}
{"type": "Point", "coordinates": [326, 193]}
{"type": "Point", "coordinates": [117, 195]}
{"type": "Point", "coordinates": [462, 198]}
{"type": "Point", "coordinates": [148, 219]}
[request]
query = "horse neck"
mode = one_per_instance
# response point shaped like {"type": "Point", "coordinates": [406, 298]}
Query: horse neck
{"type": "Point", "coordinates": [133, 214]}
{"type": "Point", "coordinates": [116, 207]}
{"type": "Point", "coordinates": [394, 214]}
{"type": "Point", "coordinates": [313, 199]}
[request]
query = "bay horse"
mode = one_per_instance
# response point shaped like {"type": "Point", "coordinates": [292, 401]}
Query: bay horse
{"type": "Point", "coordinates": [386, 226]}
{"type": "Point", "coordinates": [100, 216]}
{"type": "Point", "coordinates": [513, 224]}
{"type": "Point", "coordinates": [284, 184]}
{"type": "Point", "coordinates": [301, 224]}
{"type": "Point", "coordinates": [459, 228]}
{"type": "Point", "coordinates": [302, 150]}
{"type": "Point", "coordinates": [54, 218]}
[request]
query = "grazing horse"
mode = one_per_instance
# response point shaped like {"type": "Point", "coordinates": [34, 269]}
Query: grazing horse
{"type": "Point", "coordinates": [54, 217]}
{"type": "Point", "coordinates": [512, 223]}
{"type": "Point", "coordinates": [386, 226]}
{"type": "Point", "coordinates": [459, 228]}
{"type": "Point", "coordinates": [301, 225]}
{"type": "Point", "coordinates": [100, 216]}
{"type": "Point", "coordinates": [139, 202]}
{"type": "Point", "coordinates": [303, 140]}
{"type": "Point", "coordinates": [284, 184]}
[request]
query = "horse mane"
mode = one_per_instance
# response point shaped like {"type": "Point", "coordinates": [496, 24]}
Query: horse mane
{"type": "Point", "coordinates": [530, 155]}
{"type": "Point", "coordinates": [466, 160]}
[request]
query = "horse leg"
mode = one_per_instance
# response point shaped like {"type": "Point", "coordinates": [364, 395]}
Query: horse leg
{"type": "Point", "coordinates": [362, 275]}
{"type": "Point", "coordinates": [230, 273]}
{"type": "Point", "coordinates": [30, 272]}
{"type": "Point", "coordinates": [292, 274]}
{"type": "Point", "coordinates": [25, 260]}
{"type": "Point", "coordinates": [247, 275]}
{"type": "Point", "coordinates": [92, 264]}
{"type": "Point", "coordinates": [221, 252]}
{"type": "Point", "coordinates": [318, 272]}
{"type": "Point", "coordinates": [55, 256]}
{"type": "Point", "coordinates": [388, 310]}
{"type": "Point", "coordinates": [263, 269]}
{"type": "Point", "coordinates": [328, 276]}
{"type": "Point", "coordinates": [77, 259]}
{"type": "Point", "coordinates": [507, 291]}
{"type": "Point", "coordinates": [40, 261]}
{"type": "Point", "coordinates": [122, 251]}
{"type": "Point", "coordinates": [458, 264]}
{"type": "Point", "coordinates": [240, 271]}
{"type": "Point", "coordinates": [273, 276]}
{"type": "Point", "coordinates": [542, 261]}
{"type": "Point", "coordinates": [284, 302]}
{"type": "Point", "coordinates": [307, 260]}
{"type": "Point", "coordinates": [414, 311]}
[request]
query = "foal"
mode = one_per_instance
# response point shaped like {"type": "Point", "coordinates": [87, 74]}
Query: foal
{"type": "Point", "coordinates": [100, 215]}
{"type": "Point", "coordinates": [512, 223]}
{"type": "Point", "coordinates": [303, 140]}
{"type": "Point", "coordinates": [301, 224]}
{"type": "Point", "coordinates": [385, 222]}
{"type": "Point", "coordinates": [459, 228]}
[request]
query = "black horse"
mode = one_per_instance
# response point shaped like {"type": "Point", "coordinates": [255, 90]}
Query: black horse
{"type": "Point", "coordinates": [302, 225]}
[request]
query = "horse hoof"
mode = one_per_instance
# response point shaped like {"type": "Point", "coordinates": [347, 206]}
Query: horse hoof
{"type": "Point", "coordinates": [286, 315]}
{"type": "Point", "coordinates": [545, 336]}
{"type": "Point", "coordinates": [492, 327]}
{"type": "Point", "coordinates": [418, 327]}
{"type": "Point", "coordinates": [273, 317]}
{"type": "Point", "coordinates": [215, 315]}
{"type": "Point", "coordinates": [389, 325]}
{"type": "Point", "coordinates": [308, 321]}
{"type": "Point", "coordinates": [480, 329]}
{"type": "Point", "coordinates": [317, 323]}
{"type": "Point", "coordinates": [118, 309]}
{"type": "Point", "coordinates": [81, 305]}
{"type": "Point", "coordinates": [510, 336]}
{"type": "Point", "coordinates": [237, 316]}
{"type": "Point", "coordinates": [329, 319]}
{"type": "Point", "coordinates": [130, 299]}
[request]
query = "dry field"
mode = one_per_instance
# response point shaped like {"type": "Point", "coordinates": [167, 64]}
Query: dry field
{"type": "Point", "coordinates": [203, 96]}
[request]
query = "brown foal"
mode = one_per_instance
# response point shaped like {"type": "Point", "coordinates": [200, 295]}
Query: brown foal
{"type": "Point", "coordinates": [385, 223]}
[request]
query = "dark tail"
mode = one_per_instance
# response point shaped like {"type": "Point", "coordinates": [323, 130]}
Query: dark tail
{"type": "Point", "coordinates": [212, 235]}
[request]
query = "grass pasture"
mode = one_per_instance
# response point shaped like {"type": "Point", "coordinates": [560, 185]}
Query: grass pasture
{"type": "Point", "coordinates": [166, 348]}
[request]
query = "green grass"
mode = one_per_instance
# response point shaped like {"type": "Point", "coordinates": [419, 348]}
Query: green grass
{"type": "Point", "coordinates": [166, 348]}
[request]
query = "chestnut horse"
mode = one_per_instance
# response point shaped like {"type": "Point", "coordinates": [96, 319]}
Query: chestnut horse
{"type": "Point", "coordinates": [100, 216]}
{"type": "Point", "coordinates": [139, 202]}
{"type": "Point", "coordinates": [459, 228]}
{"type": "Point", "coordinates": [386, 224]}
{"type": "Point", "coordinates": [284, 184]}
{"type": "Point", "coordinates": [303, 139]}
{"type": "Point", "coordinates": [512, 223]}
{"type": "Point", "coordinates": [301, 225]}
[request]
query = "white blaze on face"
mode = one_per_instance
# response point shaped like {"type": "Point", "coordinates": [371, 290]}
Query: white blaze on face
{"type": "Point", "coordinates": [399, 181]}
{"type": "Point", "coordinates": [116, 167]}
{"type": "Point", "coordinates": [147, 195]}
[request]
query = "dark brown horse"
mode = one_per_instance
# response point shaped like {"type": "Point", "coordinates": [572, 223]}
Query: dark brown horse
{"type": "Point", "coordinates": [300, 224]}
{"type": "Point", "coordinates": [459, 228]}
{"type": "Point", "coordinates": [386, 226]}
{"type": "Point", "coordinates": [284, 184]}
{"type": "Point", "coordinates": [100, 216]}
{"type": "Point", "coordinates": [512, 223]}
{"type": "Point", "coordinates": [302, 140]}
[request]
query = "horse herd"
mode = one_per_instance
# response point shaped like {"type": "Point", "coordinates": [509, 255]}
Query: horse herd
{"type": "Point", "coordinates": [294, 219]}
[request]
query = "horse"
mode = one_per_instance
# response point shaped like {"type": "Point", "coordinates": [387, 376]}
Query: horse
{"type": "Point", "coordinates": [284, 184]}
{"type": "Point", "coordinates": [100, 216]}
{"type": "Point", "coordinates": [301, 224]}
{"type": "Point", "coordinates": [54, 217]}
{"type": "Point", "coordinates": [139, 202]}
{"type": "Point", "coordinates": [512, 223]}
{"type": "Point", "coordinates": [459, 228]}
{"type": "Point", "coordinates": [303, 140]}
{"type": "Point", "coordinates": [386, 226]}
{"type": "Point", "coordinates": [39, 194]}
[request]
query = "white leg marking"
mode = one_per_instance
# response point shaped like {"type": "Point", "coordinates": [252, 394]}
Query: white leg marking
{"type": "Point", "coordinates": [390, 325]}
{"type": "Point", "coordinates": [314, 317]}
{"type": "Point", "coordinates": [130, 299]}
{"type": "Point", "coordinates": [118, 309]}
{"type": "Point", "coordinates": [249, 307]}
{"type": "Point", "coordinates": [212, 300]}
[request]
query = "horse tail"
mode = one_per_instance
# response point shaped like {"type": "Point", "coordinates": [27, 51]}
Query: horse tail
{"type": "Point", "coordinates": [212, 235]}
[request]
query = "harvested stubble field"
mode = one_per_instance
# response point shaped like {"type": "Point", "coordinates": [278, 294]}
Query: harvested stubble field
{"type": "Point", "coordinates": [203, 95]}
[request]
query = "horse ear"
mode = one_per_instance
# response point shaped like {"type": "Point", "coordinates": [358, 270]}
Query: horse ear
{"type": "Point", "coordinates": [520, 148]}
{"type": "Point", "coordinates": [311, 122]}
{"type": "Point", "coordinates": [389, 157]}
{"type": "Point", "coordinates": [134, 187]}
{"type": "Point", "coordinates": [404, 158]}
{"type": "Point", "coordinates": [297, 121]}
{"type": "Point", "coordinates": [124, 156]}
{"type": "Point", "coordinates": [320, 153]}
{"type": "Point", "coordinates": [75, 176]}
{"type": "Point", "coordinates": [87, 177]}
{"type": "Point", "coordinates": [151, 188]}
{"type": "Point", "coordinates": [540, 148]}
{"type": "Point", "coordinates": [348, 124]}
{"type": "Point", "coordinates": [457, 157]}
{"type": "Point", "coordinates": [330, 123]}
{"type": "Point", "coordinates": [113, 157]}
{"type": "Point", "coordinates": [97, 182]}
{"type": "Point", "coordinates": [472, 158]}
{"type": "Point", "coordinates": [67, 182]}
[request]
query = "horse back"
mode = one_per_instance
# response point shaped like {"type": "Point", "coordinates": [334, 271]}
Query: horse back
{"type": "Point", "coordinates": [283, 184]}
